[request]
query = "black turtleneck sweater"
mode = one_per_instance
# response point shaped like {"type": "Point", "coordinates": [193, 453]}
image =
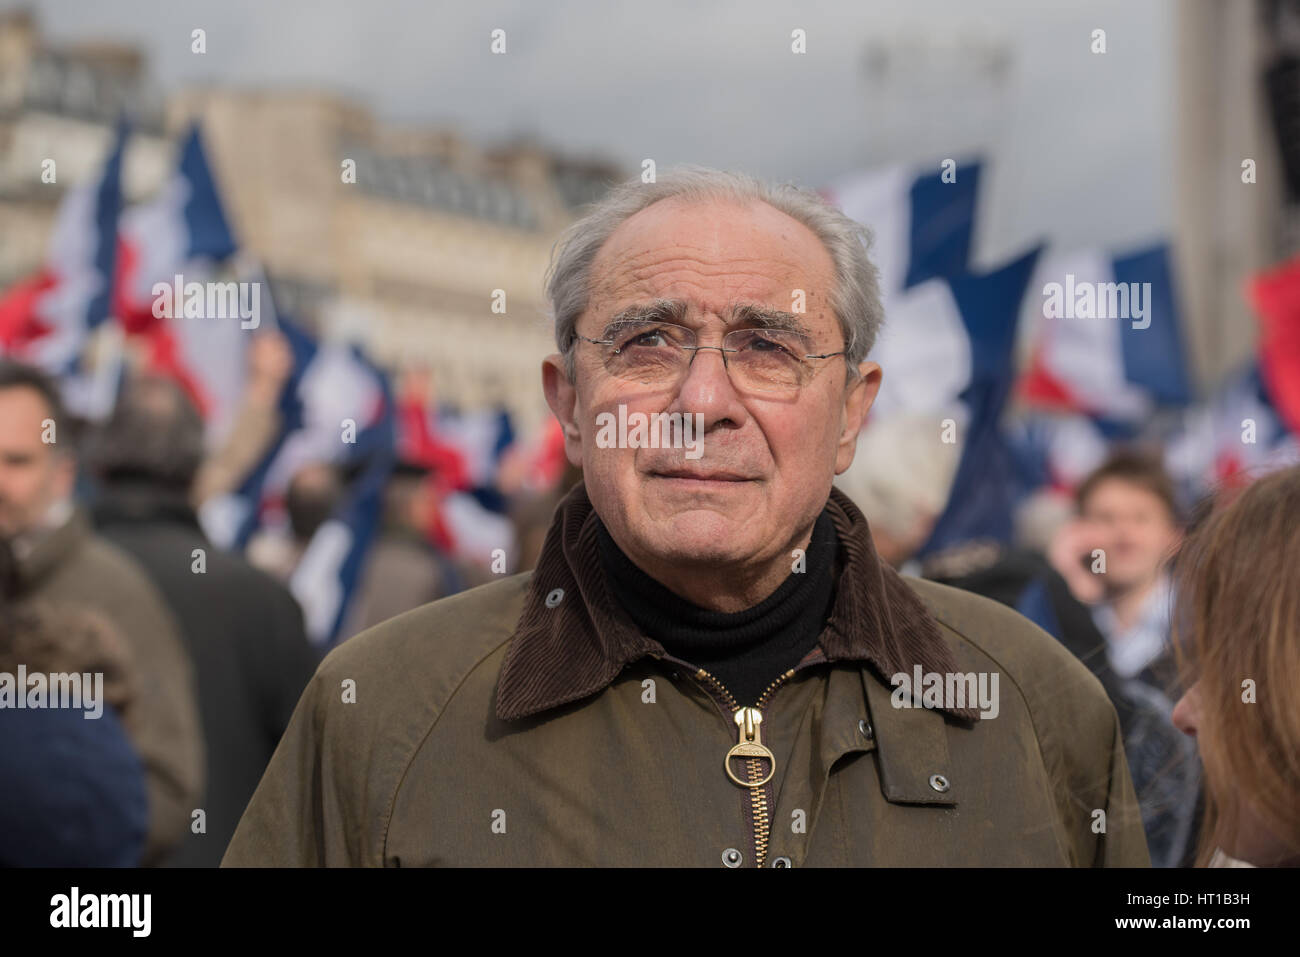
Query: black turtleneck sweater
{"type": "Point", "coordinates": [745, 650]}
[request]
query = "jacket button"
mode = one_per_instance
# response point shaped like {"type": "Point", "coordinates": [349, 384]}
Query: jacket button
{"type": "Point", "coordinates": [731, 857]}
{"type": "Point", "coordinates": [555, 597]}
{"type": "Point", "coordinates": [939, 782]}
{"type": "Point", "coordinates": [865, 729]}
{"type": "Point", "coordinates": [782, 862]}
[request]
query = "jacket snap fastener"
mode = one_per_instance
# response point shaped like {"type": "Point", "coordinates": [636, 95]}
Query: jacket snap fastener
{"type": "Point", "coordinates": [554, 598]}
{"type": "Point", "coordinates": [939, 782]}
{"type": "Point", "coordinates": [865, 728]}
{"type": "Point", "coordinates": [731, 857]}
{"type": "Point", "coordinates": [781, 862]}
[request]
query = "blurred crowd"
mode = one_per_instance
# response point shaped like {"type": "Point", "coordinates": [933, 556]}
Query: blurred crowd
{"type": "Point", "coordinates": [106, 568]}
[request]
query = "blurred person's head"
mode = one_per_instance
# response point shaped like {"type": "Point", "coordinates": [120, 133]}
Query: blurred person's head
{"type": "Point", "coordinates": [1131, 509]}
{"type": "Point", "coordinates": [314, 492]}
{"type": "Point", "coordinates": [1038, 517]}
{"type": "Point", "coordinates": [35, 473]}
{"type": "Point", "coordinates": [713, 253]}
{"type": "Point", "coordinates": [1237, 637]}
{"type": "Point", "coordinates": [50, 639]}
{"type": "Point", "coordinates": [901, 479]}
{"type": "Point", "coordinates": [154, 434]}
{"type": "Point", "coordinates": [407, 502]}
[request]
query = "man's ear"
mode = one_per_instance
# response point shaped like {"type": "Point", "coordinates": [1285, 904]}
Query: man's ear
{"type": "Point", "coordinates": [562, 397]}
{"type": "Point", "coordinates": [858, 397]}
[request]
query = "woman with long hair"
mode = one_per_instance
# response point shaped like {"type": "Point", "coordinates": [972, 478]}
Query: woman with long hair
{"type": "Point", "coordinates": [1237, 639]}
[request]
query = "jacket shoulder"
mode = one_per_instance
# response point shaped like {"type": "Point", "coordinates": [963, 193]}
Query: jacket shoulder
{"type": "Point", "coordinates": [329, 792]}
{"type": "Point", "coordinates": [1026, 652]}
{"type": "Point", "coordinates": [1071, 714]}
{"type": "Point", "coordinates": [441, 638]}
{"type": "Point", "coordinates": [402, 672]}
{"type": "Point", "coordinates": [1049, 693]}
{"type": "Point", "coordinates": [114, 568]}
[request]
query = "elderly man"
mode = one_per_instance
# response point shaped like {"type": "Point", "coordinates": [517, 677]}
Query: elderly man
{"type": "Point", "coordinates": [709, 665]}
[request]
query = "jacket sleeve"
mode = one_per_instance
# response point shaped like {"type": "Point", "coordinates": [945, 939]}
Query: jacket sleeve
{"type": "Point", "coordinates": [1125, 842]}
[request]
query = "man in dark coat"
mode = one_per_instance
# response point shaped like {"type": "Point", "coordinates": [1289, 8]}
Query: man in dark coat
{"type": "Point", "coordinates": [243, 629]}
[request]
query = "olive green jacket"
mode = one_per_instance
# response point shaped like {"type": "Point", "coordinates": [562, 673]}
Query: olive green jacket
{"type": "Point", "coordinates": [529, 722]}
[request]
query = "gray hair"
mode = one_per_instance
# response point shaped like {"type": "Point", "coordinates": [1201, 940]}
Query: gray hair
{"type": "Point", "coordinates": [855, 297]}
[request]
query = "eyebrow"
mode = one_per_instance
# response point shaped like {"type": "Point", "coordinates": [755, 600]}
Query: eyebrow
{"type": "Point", "coordinates": [740, 314]}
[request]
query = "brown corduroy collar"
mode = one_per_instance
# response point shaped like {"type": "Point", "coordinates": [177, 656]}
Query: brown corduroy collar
{"type": "Point", "coordinates": [573, 639]}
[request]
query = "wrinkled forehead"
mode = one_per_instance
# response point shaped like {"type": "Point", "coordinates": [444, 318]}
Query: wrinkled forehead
{"type": "Point", "coordinates": [712, 256]}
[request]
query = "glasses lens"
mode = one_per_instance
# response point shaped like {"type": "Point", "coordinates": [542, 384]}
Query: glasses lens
{"type": "Point", "coordinates": [647, 352]}
{"type": "Point", "coordinates": [768, 360]}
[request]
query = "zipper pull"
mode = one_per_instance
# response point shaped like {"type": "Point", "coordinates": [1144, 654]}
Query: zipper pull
{"type": "Point", "coordinates": [750, 746]}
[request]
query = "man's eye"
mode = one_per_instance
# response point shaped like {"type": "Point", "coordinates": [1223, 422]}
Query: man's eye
{"type": "Point", "coordinates": [651, 338]}
{"type": "Point", "coordinates": [643, 337]}
{"type": "Point", "coordinates": [763, 342]}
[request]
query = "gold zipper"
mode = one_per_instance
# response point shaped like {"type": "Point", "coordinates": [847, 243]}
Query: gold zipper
{"type": "Point", "coordinates": [751, 748]}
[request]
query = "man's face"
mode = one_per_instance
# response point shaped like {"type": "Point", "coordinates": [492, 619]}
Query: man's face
{"type": "Point", "coordinates": [33, 475]}
{"type": "Point", "coordinates": [767, 462]}
{"type": "Point", "coordinates": [1135, 529]}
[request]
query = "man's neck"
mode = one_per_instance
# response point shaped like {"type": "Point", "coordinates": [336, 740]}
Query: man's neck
{"type": "Point", "coordinates": [729, 589]}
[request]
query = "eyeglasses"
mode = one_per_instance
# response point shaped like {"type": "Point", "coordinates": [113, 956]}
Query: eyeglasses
{"type": "Point", "coordinates": [659, 354]}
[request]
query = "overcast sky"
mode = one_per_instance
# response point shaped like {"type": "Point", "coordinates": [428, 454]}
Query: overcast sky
{"type": "Point", "coordinates": [1080, 143]}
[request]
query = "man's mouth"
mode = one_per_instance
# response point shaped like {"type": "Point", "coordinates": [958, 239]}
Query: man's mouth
{"type": "Point", "coordinates": [700, 475]}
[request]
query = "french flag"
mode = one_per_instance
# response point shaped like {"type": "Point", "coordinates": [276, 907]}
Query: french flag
{"type": "Point", "coordinates": [183, 231]}
{"type": "Point", "coordinates": [48, 319]}
{"type": "Point", "coordinates": [1251, 424]}
{"type": "Point", "coordinates": [1276, 297]}
{"type": "Point", "coordinates": [922, 225]}
{"type": "Point", "coordinates": [1235, 435]}
{"type": "Point", "coordinates": [947, 346]}
{"type": "Point", "coordinates": [329, 571]}
{"type": "Point", "coordinates": [1057, 450]}
{"type": "Point", "coordinates": [336, 407]}
{"type": "Point", "coordinates": [538, 462]}
{"type": "Point", "coordinates": [462, 455]}
{"type": "Point", "coordinates": [331, 387]}
{"type": "Point", "coordinates": [953, 353]}
{"type": "Point", "coordinates": [482, 436]}
{"type": "Point", "coordinates": [1115, 368]}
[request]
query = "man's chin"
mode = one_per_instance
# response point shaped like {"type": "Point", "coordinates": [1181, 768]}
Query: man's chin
{"type": "Point", "coordinates": [701, 536]}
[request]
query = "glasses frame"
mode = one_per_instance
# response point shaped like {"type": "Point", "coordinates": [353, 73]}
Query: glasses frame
{"type": "Point", "coordinates": [696, 349]}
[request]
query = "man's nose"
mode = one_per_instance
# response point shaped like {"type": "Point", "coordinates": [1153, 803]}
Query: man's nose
{"type": "Point", "coordinates": [708, 389]}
